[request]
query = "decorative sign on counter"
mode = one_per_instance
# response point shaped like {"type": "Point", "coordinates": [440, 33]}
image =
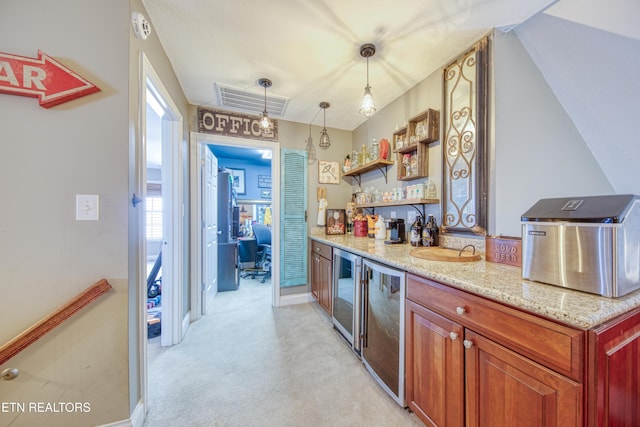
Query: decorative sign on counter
{"type": "Point", "coordinates": [42, 77]}
{"type": "Point", "coordinates": [237, 125]}
{"type": "Point", "coordinates": [504, 250]}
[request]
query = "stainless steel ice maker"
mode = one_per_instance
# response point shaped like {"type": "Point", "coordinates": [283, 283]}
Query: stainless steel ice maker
{"type": "Point", "coordinates": [591, 244]}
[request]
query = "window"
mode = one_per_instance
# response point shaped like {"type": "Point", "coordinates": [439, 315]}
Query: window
{"type": "Point", "coordinates": [154, 218]}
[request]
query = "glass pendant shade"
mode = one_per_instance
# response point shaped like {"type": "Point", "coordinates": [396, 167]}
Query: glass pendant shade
{"type": "Point", "coordinates": [368, 105]}
{"type": "Point", "coordinates": [311, 149]}
{"type": "Point", "coordinates": [265, 123]}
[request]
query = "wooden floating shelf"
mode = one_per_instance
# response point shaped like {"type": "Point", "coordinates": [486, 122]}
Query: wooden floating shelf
{"type": "Point", "coordinates": [368, 167]}
{"type": "Point", "coordinates": [407, 202]}
{"type": "Point", "coordinates": [380, 164]}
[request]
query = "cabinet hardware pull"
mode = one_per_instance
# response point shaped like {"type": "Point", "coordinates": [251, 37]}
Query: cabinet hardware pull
{"type": "Point", "coordinates": [467, 343]}
{"type": "Point", "coordinates": [453, 336]}
{"type": "Point", "coordinates": [460, 310]}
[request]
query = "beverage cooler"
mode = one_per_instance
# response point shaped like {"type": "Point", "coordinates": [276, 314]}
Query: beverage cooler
{"type": "Point", "coordinates": [347, 296]}
{"type": "Point", "coordinates": [382, 342]}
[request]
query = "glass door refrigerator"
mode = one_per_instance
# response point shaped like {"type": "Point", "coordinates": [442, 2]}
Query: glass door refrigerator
{"type": "Point", "coordinates": [347, 272]}
{"type": "Point", "coordinates": [383, 326]}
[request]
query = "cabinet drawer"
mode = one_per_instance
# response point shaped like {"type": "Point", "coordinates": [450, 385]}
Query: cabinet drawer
{"type": "Point", "coordinates": [321, 249]}
{"type": "Point", "coordinates": [558, 347]}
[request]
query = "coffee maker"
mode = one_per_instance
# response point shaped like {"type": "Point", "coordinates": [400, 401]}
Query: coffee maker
{"type": "Point", "coordinates": [397, 231]}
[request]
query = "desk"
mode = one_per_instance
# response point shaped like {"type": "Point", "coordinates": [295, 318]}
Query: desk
{"type": "Point", "coordinates": [247, 252]}
{"type": "Point", "coordinates": [228, 279]}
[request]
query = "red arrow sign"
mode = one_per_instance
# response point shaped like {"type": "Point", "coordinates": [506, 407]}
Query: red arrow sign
{"type": "Point", "coordinates": [42, 77]}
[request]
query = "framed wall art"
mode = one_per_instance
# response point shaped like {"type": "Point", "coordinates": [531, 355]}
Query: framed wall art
{"type": "Point", "coordinates": [264, 181]}
{"type": "Point", "coordinates": [238, 180]}
{"type": "Point", "coordinates": [328, 172]}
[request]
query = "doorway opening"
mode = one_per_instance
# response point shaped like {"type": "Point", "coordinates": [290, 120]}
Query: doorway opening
{"type": "Point", "coordinates": [245, 182]}
{"type": "Point", "coordinates": [245, 215]}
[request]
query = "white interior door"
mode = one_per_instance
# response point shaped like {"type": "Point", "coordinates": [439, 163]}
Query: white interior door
{"type": "Point", "coordinates": [209, 228]}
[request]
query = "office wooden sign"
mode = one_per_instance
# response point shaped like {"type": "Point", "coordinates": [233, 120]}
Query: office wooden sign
{"type": "Point", "coordinates": [237, 125]}
{"type": "Point", "coordinates": [43, 78]}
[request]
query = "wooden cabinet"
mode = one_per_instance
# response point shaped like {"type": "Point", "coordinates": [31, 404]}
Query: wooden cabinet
{"type": "Point", "coordinates": [434, 374]}
{"type": "Point", "coordinates": [517, 369]}
{"type": "Point", "coordinates": [504, 388]}
{"type": "Point", "coordinates": [321, 271]}
{"type": "Point", "coordinates": [614, 372]}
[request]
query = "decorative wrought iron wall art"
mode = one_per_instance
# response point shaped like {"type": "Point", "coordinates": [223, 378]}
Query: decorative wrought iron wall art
{"type": "Point", "coordinates": [465, 86]}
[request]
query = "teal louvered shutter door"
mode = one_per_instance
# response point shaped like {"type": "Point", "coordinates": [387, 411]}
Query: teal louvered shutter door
{"type": "Point", "coordinates": [293, 223]}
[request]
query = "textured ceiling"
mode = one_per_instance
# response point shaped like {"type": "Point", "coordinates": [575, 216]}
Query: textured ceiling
{"type": "Point", "coordinates": [310, 48]}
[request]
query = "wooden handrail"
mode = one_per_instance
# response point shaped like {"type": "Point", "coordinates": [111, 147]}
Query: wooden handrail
{"type": "Point", "coordinates": [44, 326]}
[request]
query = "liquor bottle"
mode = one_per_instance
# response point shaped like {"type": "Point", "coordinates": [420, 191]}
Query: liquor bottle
{"type": "Point", "coordinates": [427, 239]}
{"type": "Point", "coordinates": [416, 232]}
{"type": "Point", "coordinates": [434, 231]}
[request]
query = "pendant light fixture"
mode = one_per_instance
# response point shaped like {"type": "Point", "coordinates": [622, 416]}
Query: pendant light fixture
{"type": "Point", "coordinates": [325, 142]}
{"type": "Point", "coordinates": [311, 149]}
{"type": "Point", "coordinates": [368, 106]}
{"type": "Point", "coordinates": [265, 123]}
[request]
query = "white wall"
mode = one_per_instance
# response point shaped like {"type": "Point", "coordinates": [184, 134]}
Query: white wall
{"type": "Point", "coordinates": [594, 75]}
{"type": "Point", "coordinates": [538, 152]}
{"type": "Point", "coordinates": [47, 156]}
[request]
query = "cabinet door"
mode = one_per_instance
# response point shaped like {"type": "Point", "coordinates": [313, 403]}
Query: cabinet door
{"type": "Point", "coordinates": [315, 275]}
{"type": "Point", "coordinates": [324, 283]}
{"type": "Point", "coordinates": [434, 367]}
{"type": "Point", "coordinates": [614, 397]}
{"type": "Point", "coordinates": [506, 389]}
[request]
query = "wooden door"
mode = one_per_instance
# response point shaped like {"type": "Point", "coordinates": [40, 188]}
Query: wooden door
{"type": "Point", "coordinates": [505, 389]}
{"type": "Point", "coordinates": [209, 228]}
{"type": "Point", "coordinates": [434, 367]}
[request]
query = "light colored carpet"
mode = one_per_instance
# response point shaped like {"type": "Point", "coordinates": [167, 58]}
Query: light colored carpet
{"type": "Point", "coordinates": [249, 364]}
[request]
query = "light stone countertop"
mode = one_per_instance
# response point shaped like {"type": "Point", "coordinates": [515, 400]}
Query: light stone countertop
{"type": "Point", "coordinates": [500, 282]}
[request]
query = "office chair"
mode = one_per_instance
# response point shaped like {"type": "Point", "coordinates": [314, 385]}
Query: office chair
{"type": "Point", "coordinates": [263, 240]}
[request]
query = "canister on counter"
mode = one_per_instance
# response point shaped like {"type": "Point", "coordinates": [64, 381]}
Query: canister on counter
{"type": "Point", "coordinates": [360, 227]}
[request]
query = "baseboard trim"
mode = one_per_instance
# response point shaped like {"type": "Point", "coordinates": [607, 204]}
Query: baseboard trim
{"type": "Point", "coordinates": [136, 420]}
{"type": "Point", "coordinates": [293, 299]}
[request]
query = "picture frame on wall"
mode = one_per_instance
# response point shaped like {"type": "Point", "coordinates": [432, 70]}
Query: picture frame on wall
{"type": "Point", "coordinates": [238, 180]}
{"type": "Point", "coordinates": [264, 181]}
{"type": "Point", "coordinates": [328, 172]}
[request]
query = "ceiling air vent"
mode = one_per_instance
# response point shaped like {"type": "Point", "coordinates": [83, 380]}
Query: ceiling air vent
{"type": "Point", "coordinates": [253, 102]}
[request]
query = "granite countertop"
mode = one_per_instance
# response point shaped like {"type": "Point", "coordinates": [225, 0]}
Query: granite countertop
{"type": "Point", "coordinates": [499, 282]}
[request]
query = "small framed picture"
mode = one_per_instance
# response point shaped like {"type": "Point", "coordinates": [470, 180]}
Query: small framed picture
{"type": "Point", "coordinates": [335, 223]}
{"type": "Point", "coordinates": [238, 180]}
{"type": "Point", "coordinates": [264, 181]}
{"type": "Point", "coordinates": [328, 172]}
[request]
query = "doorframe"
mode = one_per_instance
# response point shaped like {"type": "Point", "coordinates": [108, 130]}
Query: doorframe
{"type": "Point", "coordinates": [196, 140]}
{"type": "Point", "coordinates": [173, 127]}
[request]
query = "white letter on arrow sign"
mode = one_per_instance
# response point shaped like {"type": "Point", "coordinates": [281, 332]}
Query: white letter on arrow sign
{"type": "Point", "coordinates": [33, 75]}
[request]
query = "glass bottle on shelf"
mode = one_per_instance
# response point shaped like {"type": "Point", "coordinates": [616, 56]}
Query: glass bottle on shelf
{"type": "Point", "coordinates": [364, 155]}
{"type": "Point", "coordinates": [375, 147]}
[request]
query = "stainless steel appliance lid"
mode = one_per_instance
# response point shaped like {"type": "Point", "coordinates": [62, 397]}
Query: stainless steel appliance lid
{"type": "Point", "coordinates": [595, 209]}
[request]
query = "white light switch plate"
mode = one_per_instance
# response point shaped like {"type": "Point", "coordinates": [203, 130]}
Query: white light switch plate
{"type": "Point", "coordinates": [87, 207]}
